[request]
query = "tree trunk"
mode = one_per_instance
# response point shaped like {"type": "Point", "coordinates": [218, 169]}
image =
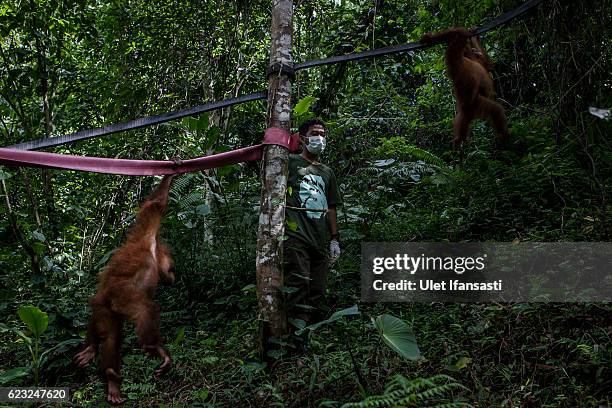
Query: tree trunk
{"type": "Point", "coordinates": [34, 259]}
{"type": "Point", "coordinates": [43, 73]}
{"type": "Point", "coordinates": [274, 182]}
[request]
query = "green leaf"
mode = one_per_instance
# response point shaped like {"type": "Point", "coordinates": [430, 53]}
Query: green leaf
{"type": "Point", "coordinates": [303, 106]}
{"type": "Point", "coordinates": [36, 320]}
{"type": "Point", "coordinates": [396, 333]}
{"type": "Point", "coordinates": [203, 209]}
{"type": "Point", "coordinates": [105, 258]}
{"type": "Point", "coordinates": [249, 288]}
{"type": "Point", "coordinates": [5, 175]}
{"type": "Point", "coordinates": [276, 354]}
{"type": "Point", "coordinates": [38, 236]}
{"type": "Point", "coordinates": [69, 342]}
{"type": "Point", "coordinates": [212, 135]}
{"type": "Point", "coordinates": [26, 339]}
{"type": "Point", "coordinates": [398, 146]}
{"type": "Point", "coordinates": [210, 360]}
{"type": "Point", "coordinates": [288, 289]}
{"type": "Point", "coordinates": [202, 395]}
{"type": "Point", "coordinates": [353, 310]}
{"type": "Point", "coordinates": [297, 323]}
{"type": "Point", "coordinates": [292, 225]}
{"type": "Point", "coordinates": [460, 364]}
{"type": "Point", "coordinates": [227, 170]}
{"type": "Point", "coordinates": [196, 124]}
{"type": "Point", "coordinates": [383, 163]}
{"type": "Point", "coordinates": [14, 373]}
{"type": "Point", "coordinates": [202, 122]}
{"type": "Point", "coordinates": [180, 336]}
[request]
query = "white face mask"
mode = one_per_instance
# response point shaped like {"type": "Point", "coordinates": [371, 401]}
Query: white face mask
{"type": "Point", "coordinates": [316, 144]}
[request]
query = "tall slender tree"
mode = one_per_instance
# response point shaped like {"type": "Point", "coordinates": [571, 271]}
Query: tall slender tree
{"type": "Point", "coordinates": [274, 179]}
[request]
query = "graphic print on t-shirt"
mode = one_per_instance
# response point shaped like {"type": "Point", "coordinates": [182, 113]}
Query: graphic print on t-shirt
{"type": "Point", "coordinates": [312, 195]}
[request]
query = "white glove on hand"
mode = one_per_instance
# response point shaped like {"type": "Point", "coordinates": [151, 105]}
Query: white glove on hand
{"type": "Point", "coordinates": [334, 250]}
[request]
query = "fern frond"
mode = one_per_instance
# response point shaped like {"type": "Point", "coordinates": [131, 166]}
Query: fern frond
{"type": "Point", "coordinates": [402, 392]}
{"type": "Point", "coordinates": [191, 200]}
{"type": "Point", "coordinates": [397, 146]}
{"type": "Point", "coordinates": [452, 405]}
{"type": "Point", "coordinates": [424, 155]}
{"type": "Point", "coordinates": [180, 184]}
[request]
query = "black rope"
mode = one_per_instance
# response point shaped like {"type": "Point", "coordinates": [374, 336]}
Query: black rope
{"type": "Point", "coordinates": [415, 45]}
{"type": "Point", "coordinates": [360, 55]}
{"type": "Point", "coordinates": [137, 123]}
{"type": "Point", "coordinates": [508, 16]}
{"type": "Point", "coordinates": [166, 117]}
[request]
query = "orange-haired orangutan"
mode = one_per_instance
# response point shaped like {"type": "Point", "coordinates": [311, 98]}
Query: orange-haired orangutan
{"type": "Point", "coordinates": [125, 291]}
{"type": "Point", "coordinates": [468, 67]}
{"type": "Point", "coordinates": [475, 51]}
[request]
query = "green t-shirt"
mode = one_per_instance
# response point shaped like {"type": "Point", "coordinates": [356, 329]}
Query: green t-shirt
{"type": "Point", "coordinates": [312, 186]}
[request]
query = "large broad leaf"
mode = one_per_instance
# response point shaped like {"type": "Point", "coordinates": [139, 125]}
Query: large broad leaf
{"type": "Point", "coordinates": [303, 106]}
{"type": "Point", "coordinates": [38, 236]}
{"type": "Point", "coordinates": [383, 163]}
{"type": "Point", "coordinates": [211, 137]}
{"type": "Point", "coordinates": [353, 310]}
{"type": "Point", "coordinates": [14, 373]}
{"type": "Point", "coordinates": [396, 333]}
{"type": "Point", "coordinates": [36, 320]}
{"type": "Point", "coordinates": [196, 124]}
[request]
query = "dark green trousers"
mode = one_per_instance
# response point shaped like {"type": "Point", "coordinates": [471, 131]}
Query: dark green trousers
{"type": "Point", "coordinates": [305, 268]}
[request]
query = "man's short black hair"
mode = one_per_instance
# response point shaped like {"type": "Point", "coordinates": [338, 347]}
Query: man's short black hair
{"type": "Point", "coordinates": [306, 125]}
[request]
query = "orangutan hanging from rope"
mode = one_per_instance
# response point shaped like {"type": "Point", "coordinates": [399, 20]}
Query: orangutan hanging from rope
{"type": "Point", "coordinates": [125, 292]}
{"type": "Point", "coordinates": [468, 67]}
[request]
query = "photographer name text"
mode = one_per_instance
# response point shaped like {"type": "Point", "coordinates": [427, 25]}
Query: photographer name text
{"type": "Point", "coordinates": [432, 285]}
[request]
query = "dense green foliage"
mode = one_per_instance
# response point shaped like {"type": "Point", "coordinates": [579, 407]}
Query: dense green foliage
{"type": "Point", "coordinates": [67, 66]}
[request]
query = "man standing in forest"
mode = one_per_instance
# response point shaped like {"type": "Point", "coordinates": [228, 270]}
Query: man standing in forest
{"type": "Point", "coordinates": [312, 196]}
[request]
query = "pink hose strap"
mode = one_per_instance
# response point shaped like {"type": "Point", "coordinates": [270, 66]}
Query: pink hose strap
{"type": "Point", "coordinates": [13, 157]}
{"type": "Point", "coordinates": [282, 137]}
